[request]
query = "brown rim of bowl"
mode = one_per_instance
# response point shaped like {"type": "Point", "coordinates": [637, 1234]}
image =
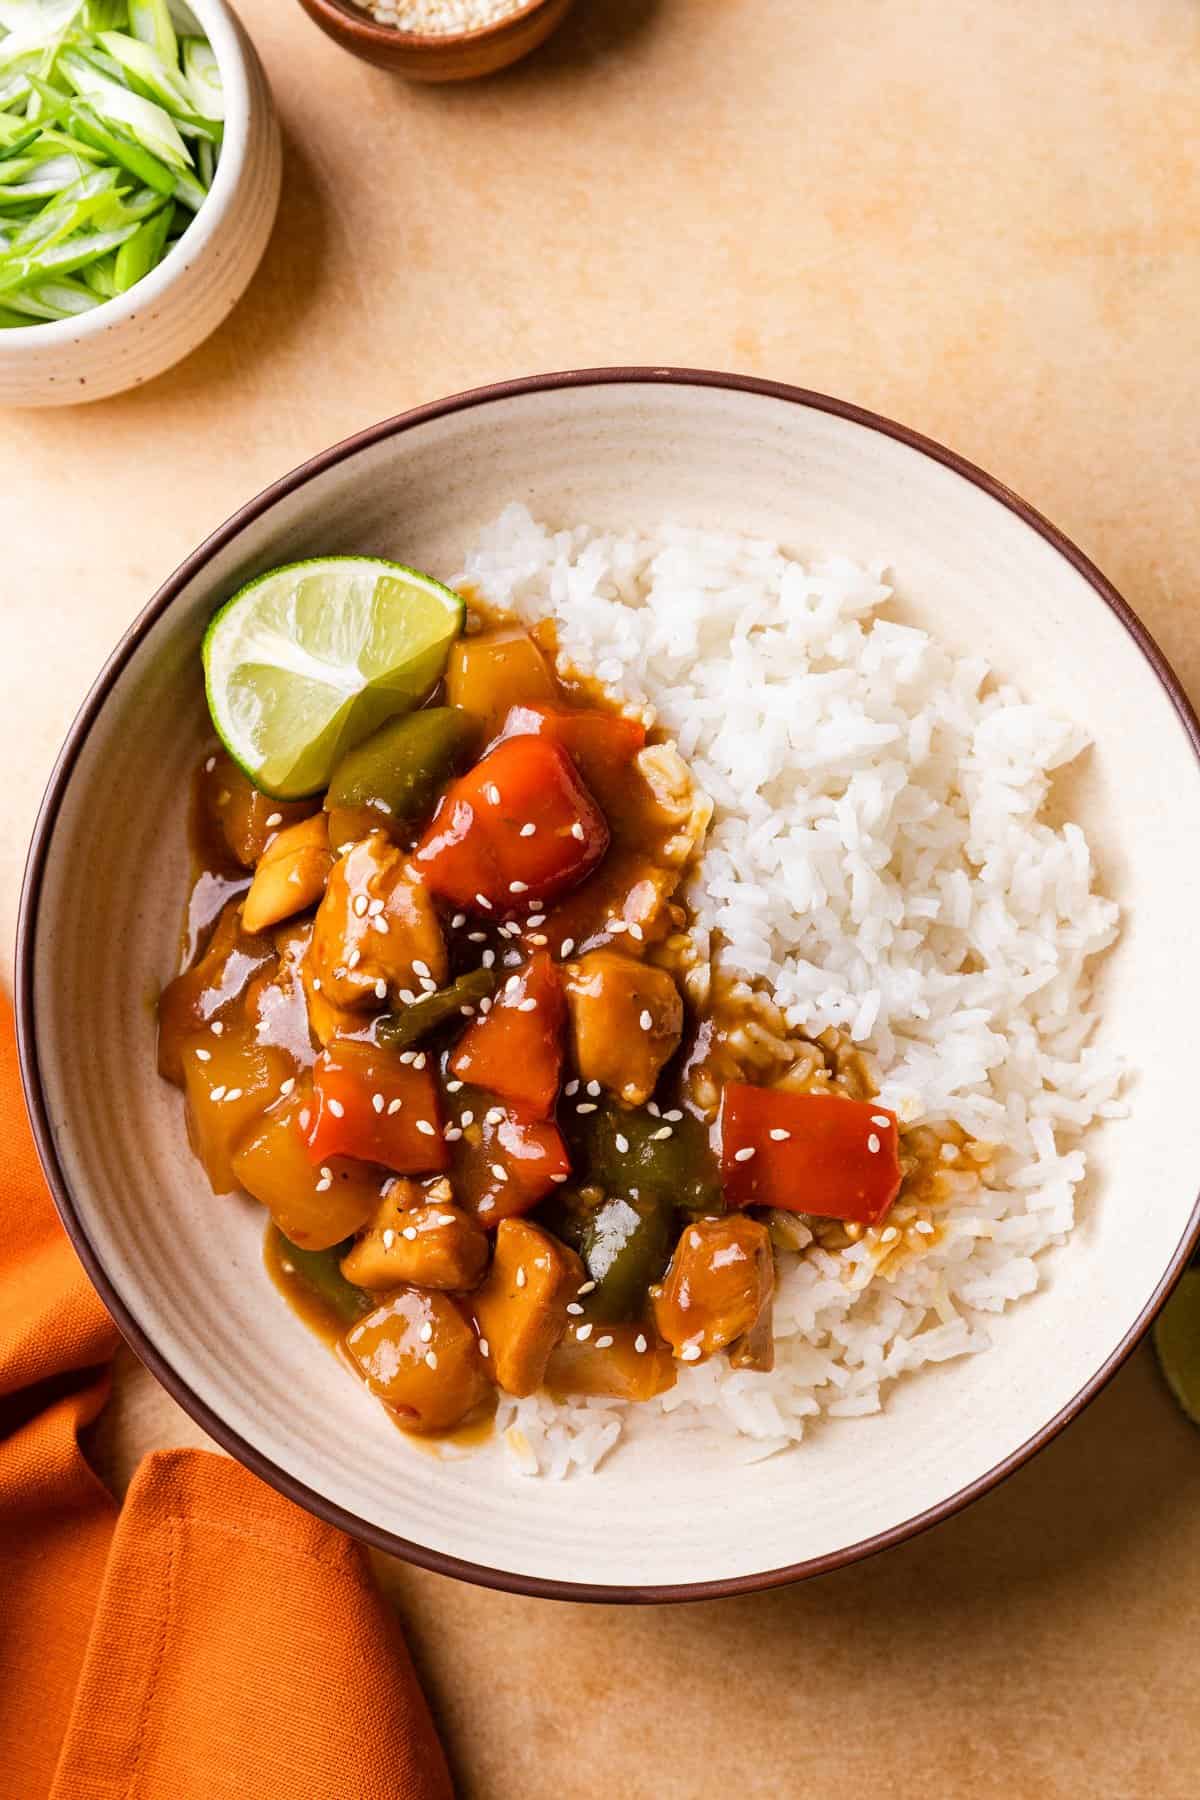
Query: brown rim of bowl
{"type": "Point", "coordinates": [374, 1535]}
{"type": "Point", "coordinates": [367, 25]}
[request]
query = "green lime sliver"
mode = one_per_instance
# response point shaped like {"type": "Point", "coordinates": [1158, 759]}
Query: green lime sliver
{"type": "Point", "coordinates": [1177, 1343]}
{"type": "Point", "coordinates": [309, 659]}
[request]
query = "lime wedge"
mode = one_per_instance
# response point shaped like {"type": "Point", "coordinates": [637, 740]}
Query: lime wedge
{"type": "Point", "coordinates": [1177, 1343]}
{"type": "Point", "coordinates": [307, 660]}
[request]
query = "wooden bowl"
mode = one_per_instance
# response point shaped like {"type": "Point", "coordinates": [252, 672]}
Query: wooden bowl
{"type": "Point", "coordinates": [667, 1516]}
{"type": "Point", "coordinates": [439, 56]}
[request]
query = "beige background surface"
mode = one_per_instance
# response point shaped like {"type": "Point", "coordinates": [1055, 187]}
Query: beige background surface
{"type": "Point", "coordinates": [979, 216]}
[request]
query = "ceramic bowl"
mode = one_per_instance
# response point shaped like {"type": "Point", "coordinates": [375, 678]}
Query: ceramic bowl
{"type": "Point", "coordinates": [443, 55]}
{"type": "Point", "coordinates": [162, 318]}
{"type": "Point", "coordinates": [182, 1272]}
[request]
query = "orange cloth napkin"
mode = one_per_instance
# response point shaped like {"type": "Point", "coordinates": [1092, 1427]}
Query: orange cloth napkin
{"type": "Point", "coordinates": [208, 1639]}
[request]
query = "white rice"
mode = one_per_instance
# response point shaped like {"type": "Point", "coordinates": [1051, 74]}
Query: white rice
{"type": "Point", "coordinates": [877, 858]}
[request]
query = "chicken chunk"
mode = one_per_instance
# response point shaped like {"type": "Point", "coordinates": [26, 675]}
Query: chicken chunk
{"type": "Point", "coordinates": [419, 1239]}
{"type": "Point", "coordinates": [291, 874]}
{"type": "Point", "coordinates": [720, 1282]}
{"type": "Point", "coordinates": [376, 931]}
{"type": "Point", "coordinates": [417, 1353]}
{"type": "Point", "coordinates": [626, 1022]}
{"type": "Point", "coordinates": [521, 1309]}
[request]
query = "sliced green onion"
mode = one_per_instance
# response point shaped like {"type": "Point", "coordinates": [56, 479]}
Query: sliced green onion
{"type": "Point", "coordinates": [111, 129]}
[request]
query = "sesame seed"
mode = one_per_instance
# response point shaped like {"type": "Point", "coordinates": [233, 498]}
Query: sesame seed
{"type": "Point", "coordinates": [477, 937]}
{"type": "Point", "coordinates": [521, 1278]}
{"type": "Point", "coordinates": [305, 1116]}
{"type": "Point", "coordinates": [880, 1119]}
{"type": "Point", "coordinates": [518, 887]}
{"type": "Point", "coordinates": [406, 997]}
{"type": "Point", "coordinates": [354, 958]}
{"type": "Point", "coordinates": [426, 1128]}
{"type": "Point", "coordinates": [431, 1358]}
{"type": "Point", "coordinates": [393, 1107]}
{"type": "Point", "coordinates": [487, 959]}
{"type": "Point", "coordinates": [582, 1332]}
{"type": "Point", "coordinates": [622, 1143]}
{"type": "Point", "coordinates": [426, 1332]}
{"type": "Point", "coordinates": [495, 1115]}
{"type": "Point", "coordinates": [483, 901]}
{"type": "Point", "coordinates": [285, 1087]}
{"type": "Point", "coordinates": [574, 1308]}
{"type": "Point", "coordinates": [652, 1106]}
{"type": "Point", "coordinates": [635, 931]}
{"type": "Point", "coordinates": [381, 989]}
{"type": "Point", "coordinates": [381, 926]}
{"type": "Point", "coordinates": [873, 1144]}
{"type": "Point", "coordinates": [467, 1118]}
{"type": "Point", "coordinates": [617, 925]}
{"type": "Point", "coordinates": [428, 984]}
{"type": "Point", "coordinates": [657, 1137]}
{"type": "Point", "coordinates": [536, 919]}
{"type": "Point", "coordinates": [218, 1093]}
{"type": "Point", "coordinates": [206, 1056]}
{"type": "Point", "coordinates": [691, 1353]}
{"type": "Point", "coordinates": [571, 1089]}
{"type": "Point", "coordinates": [602, 1343]}
{"type": "Point", "coordinates": [484, 1347]}
{"type": "Point", "coordinates": [217, 1028]}
{"type": "Point", "coordinates": [452, 1133]}
{"type": "Point", "coordinates": [528, 830]}
{"type": "Point", "coordinates": [337, 1109]}
{"type": "Point", "coordinates": [491, 793]}
{"type": "Point", "coordinates": [210, 765]}
{"type": "Point", "coordinates": [586, 1106]}
{"type": "Point", "coordinates": [360, 906]}
{"type": "Point", "coordinates": [568, 944]}
{"type": "Point", "coordinates": [487, 1206]}
{"type": "Point", "coordinates": [409, 1232]}
{"type": "Point", "coordinates": [420, 968]}
{"type": "Point", "coordinates": [558, 1178]}
{"type": "Point", "coordinates": [374, 908]}
{"type": "Point", "coordinates": [513, 985]}
{"type": "Point", "coordinates": [499, 1171]}
{"type": "Point", "coordinates": [585, 1287]}
{"type": "Point", "coordinates": [779, 1135]}
{"type": "Point", "coordinates": [316, 984]}
{"type": "Point", "coordinates": [468, 1012]}
{"type": "Point", "coordinates": [235, 1093]}
{"type": "Point", "coordinates": [485, 1005]}
{"type": "Point", "coordinates": [408, 1056]}
{"type": "Point", "coordinates": [529, 1005]}
{"type": "Point", "coordinates": [389, 1238]}
{"type": "Point", "coordinates": [323, 1185]}
{"type": "Point", "coordinates": [924, 1227]}
{"type": "Point", "coordinates": [457, 921]}
{"type": "Point", "coordinates": [577, 831]}
{"type": "Point", "coordinates": [639, 1343]}
{"type": "Point", "coordinates": [452, 1087]}
{"type": "Point", "coordinates": [744, 1155]}
{"type": "Point", "coordinates": [646, 1021]}
{"type": "Point", "coordinates": [539, 938]}
{"type": "Point", "coordinates": [378, 1102]}
{"type": "Point", "coordinates": [674, 1115]}
{"type": "Point", "coordinates": [889, 1236]}
{"type": "Point", "coordinates": [419, 1060]}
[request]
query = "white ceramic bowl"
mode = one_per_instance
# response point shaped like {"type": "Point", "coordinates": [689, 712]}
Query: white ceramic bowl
{"type": "Point", "coordinates": [182, 1272]}
{"type": "Point", "coordinates": [131, 339]}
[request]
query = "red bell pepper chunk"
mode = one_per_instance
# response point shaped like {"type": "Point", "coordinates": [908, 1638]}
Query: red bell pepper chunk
{"type": "Point", "coordinates": [508, 1166]}
{"type": "Point", "coordinates": [602, 745]}
{"type": "Point", "coordinates": [479, 851]}
{"type": "Point", "coordinates": [369, 1105]}
{"type": "Point", "coordinates": [516, 1049]}
{"type": "Point", "coordinates": [812, 1153]}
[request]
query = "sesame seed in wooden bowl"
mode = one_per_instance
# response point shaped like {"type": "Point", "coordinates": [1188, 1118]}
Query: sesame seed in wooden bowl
{"type": "Point", "coordinates": [439, 40]}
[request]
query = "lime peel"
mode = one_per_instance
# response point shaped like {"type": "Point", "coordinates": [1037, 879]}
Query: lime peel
{"type": "Point", "coordinates": [307, 660]}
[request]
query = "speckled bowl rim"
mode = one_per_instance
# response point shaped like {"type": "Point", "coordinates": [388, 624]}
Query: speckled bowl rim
{"type": "Point", "coordinates": [380, 1539]}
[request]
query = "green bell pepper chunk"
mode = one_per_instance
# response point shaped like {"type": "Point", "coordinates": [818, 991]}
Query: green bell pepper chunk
{"type": "Point", "coordinates": [319, 1271]}
{"type": "Point", "coordinates": [626, 1247]}
{"type": "Point", "coordinates": [399, 770]}
{"type": "Point", "coordinates": [400, 1030]}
